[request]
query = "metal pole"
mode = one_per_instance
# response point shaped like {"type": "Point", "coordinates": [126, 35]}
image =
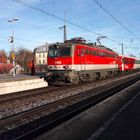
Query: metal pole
{"type": "Point", "coordinates": [13, 45]}
{"type": "Point", "coordinates": [122, 49]}
{"type": "Point", "coordinates": [64, 28]}
{"type": "Point", "coordinates": [12, 42]}
{"type": "Point", "coordinates": [65, 33]}
{"type": "Point", "coordinates": [122, 57]}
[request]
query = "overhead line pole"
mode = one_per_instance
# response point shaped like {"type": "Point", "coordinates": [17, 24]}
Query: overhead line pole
{"type": "Point", "coordinates": [64, 29]}
{"type": "Point", "coordinates": [122, 49]}
{"type": "Point", "coordinates": [65, 32]}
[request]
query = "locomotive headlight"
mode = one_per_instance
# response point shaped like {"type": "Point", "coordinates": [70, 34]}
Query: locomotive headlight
{"type": "Point", "coordinates": [66, 67]}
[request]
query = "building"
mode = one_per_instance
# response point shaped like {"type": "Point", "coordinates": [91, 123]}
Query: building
{"type": "Point", "coordinates": [41, 53]}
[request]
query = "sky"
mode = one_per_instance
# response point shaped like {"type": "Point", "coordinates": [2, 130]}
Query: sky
{"type": "Point", "coordinates": [34, 27]}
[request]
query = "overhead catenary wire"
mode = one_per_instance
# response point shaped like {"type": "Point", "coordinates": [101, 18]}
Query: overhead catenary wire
{"type": "Point", "coordinates": [60, 18]}
{"type": "Point", "coordinates": [113, 17]}
{"type": "Point", "coordinates": [52, 15]}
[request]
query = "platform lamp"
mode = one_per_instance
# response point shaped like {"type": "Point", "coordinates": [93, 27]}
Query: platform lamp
{"type": "Point", "coordinates": [11, 39]}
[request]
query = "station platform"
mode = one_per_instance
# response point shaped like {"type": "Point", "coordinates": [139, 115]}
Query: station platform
{"type": "Point", "coordinates": [126, 125]}
{"type": "Point", "coordinates": [21, 82]}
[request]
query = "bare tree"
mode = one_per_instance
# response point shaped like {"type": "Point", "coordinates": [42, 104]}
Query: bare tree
{"type": "Point", "coordinates": [23, 56]}
{"type": "Point", "coordinates": [3, 56]}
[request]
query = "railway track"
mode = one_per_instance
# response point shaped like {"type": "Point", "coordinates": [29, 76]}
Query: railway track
{"type": "Point", "coordinates": [11, 104]}
{"type": "Point", "coordinates": [26, 94]}
{"type": "Point", "coordinates": [53, 114]}
{"type": "Point", "coordinates": [35, 92]}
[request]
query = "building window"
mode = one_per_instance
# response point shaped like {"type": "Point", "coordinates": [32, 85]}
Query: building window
{"type": "Point", "coordinates": [39, 55]}
{"type": "Point", "coordinates": [39, 61]}
{"type": "Point", "coordinates": [43, 54]}
{"type": "Point", "coordinates": [43, 61]}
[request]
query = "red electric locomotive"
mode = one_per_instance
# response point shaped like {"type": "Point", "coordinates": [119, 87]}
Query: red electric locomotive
{"type": "Point", "coordinates": [75, 61]}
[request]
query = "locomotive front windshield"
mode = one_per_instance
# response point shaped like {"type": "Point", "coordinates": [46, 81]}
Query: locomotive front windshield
{"type": "Point", "coordinates": [59, 51]}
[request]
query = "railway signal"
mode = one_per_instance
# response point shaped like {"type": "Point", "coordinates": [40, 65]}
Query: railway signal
{"type": "Point", "coordinates": [11, 39]}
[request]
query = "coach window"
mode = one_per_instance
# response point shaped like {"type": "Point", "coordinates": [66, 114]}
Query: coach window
{"type": "Point", "coordinates": [108, 55]}
{"type": "Point", "coordinates": [86, 51]}
{"type": "Point", "coordinates": [90, 52]}
{"type": "Point", "coordinates": [96, 53]}
{"type": "Point", "coordinates": [78, 52]}
{"type": "Point", "coordinates": [83, 52]}
{"type": "Point", "coordinates": [101, 54]}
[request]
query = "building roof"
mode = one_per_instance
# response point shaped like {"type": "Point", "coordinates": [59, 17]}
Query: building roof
{"type": "Point", "coordinates": [42, 48]}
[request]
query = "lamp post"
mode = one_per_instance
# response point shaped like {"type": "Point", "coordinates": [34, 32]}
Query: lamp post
{"type": "Point", "coordinates": [11, 41]}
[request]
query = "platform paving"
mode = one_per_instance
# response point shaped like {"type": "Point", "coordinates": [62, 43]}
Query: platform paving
{"type": "Point", "coordinates": [126, 125]}
{"type": "Point", "coordinates": [7, 77]}
{"type": "Point", "coordinates": [21, 82]}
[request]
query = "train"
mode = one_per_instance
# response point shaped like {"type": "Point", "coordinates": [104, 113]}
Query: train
{"type": "Point", "coordinates": [75, 61]}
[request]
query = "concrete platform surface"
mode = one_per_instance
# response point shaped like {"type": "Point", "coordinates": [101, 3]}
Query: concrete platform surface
{"type": "Point", "coordinates": [126, 125]}
{"type": "Point", "coordinates": [10, 84]}
{"type": "Point", "coordinates": [7, 77]}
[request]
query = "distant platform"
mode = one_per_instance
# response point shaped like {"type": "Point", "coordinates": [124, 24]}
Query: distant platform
{"type": "Point", "coordinates": [21, 82]}
{"type": "Point", "coordinates": [18, 77]}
